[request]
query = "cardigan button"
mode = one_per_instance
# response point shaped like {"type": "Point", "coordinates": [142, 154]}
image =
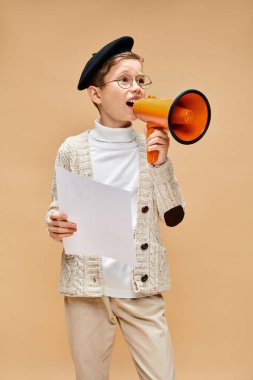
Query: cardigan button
{"type": "Point", "coordinates": [144, 246]}
{"type": "Point", "coordinates": [144, 278]}
{"type": "Point", "coordinates": [145, 209]}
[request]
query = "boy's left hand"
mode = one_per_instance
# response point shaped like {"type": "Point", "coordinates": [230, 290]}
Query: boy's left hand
{"type": "Point", "coordinates": [159, 140]}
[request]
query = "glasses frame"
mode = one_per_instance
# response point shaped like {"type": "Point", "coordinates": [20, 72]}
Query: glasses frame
{"type": "Point", "coordinates": [131, 83]}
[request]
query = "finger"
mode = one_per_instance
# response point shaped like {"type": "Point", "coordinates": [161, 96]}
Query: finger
{"type": "Point", "coordinates": [63, 224]}
{"type": "Point", "coordinates": [159, 147]}
{"type": "Point", "coordinates": [60, 220]}
{"type": "Point", "coordinates": [159, 141]}
{"type": "Point", "coordinates": [161, 134]}
{"type": "Point", "coordinates": [151, 148]}
{"type": "Point", "coordinates": [58, 216]}
{"type": "Point", "coordinates": [60, 230]}
{"type": "Point", "coordinates": [59, 236]}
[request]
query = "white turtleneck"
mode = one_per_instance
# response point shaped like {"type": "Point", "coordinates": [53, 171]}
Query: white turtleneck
{"type": "Point", "coordinates": [114, 158]}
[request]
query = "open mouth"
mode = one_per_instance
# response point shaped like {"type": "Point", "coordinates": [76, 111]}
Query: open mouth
{"type": "Point", "coordinates": [130, 103]}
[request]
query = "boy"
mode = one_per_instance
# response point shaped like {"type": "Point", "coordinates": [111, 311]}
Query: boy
{"type": "Point", "coordinates": [98, 291]}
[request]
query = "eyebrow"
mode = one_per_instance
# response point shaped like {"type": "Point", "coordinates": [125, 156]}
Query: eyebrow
{"type": "Point", "coordinates": [127, 72]}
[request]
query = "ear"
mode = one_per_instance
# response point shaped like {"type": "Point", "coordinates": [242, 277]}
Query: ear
{"type": "Point", "coordinates": [94, 94]}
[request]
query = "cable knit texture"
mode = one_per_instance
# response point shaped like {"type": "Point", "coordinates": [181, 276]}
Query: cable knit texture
{"type": "Point", "coordinates": [158, 192]}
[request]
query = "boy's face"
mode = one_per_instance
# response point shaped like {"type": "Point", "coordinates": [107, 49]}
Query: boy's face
{"type": "Point", "coordinates": [112, 99]}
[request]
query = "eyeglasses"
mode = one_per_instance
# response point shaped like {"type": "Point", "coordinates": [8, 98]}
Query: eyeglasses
{"type": "Point", "coordinates": [126, 81]}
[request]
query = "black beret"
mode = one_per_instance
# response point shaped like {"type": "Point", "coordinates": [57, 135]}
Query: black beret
{"type": "Point", "coordinates": [118, 46]}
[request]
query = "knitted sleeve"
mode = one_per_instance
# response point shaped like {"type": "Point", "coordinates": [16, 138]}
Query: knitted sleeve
{"type": "Point", "coordinates": [62, 159]}
{"type": "Point", "coordinates": [167, 193]}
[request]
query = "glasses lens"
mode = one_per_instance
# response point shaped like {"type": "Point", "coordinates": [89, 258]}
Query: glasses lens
{"type": "Point", "coordinates": [143, 81]}
{"type": "Point", "coordinates": [125, 81]}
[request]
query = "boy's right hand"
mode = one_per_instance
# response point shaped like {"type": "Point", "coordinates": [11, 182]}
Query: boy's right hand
{"type": "Point", "coordinates": [59, 227]}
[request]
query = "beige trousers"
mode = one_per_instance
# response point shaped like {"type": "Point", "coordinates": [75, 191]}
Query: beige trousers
{"type": "Point", "coordinates": [91, 325]}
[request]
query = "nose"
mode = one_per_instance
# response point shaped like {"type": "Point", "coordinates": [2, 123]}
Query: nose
{"type": "Point", "coordinates": [136, 87]}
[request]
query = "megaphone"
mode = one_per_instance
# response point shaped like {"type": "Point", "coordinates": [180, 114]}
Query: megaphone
{"type": "Point", "coordinates": [187, 117]}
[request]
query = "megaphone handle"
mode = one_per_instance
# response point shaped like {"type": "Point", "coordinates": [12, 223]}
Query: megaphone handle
{"type": "Point", "coordinates": [152, 157]}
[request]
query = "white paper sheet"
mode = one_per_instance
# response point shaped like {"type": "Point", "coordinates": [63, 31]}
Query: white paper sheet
{"type": "Point", "coordinates": [102, 214]}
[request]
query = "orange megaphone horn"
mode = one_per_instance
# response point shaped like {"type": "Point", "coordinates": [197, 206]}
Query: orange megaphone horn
{"type": "Point", "coordinates": [187, 117]}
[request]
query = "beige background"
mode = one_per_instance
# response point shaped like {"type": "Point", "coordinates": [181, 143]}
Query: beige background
{"type": "Point", "coordinates": [199, 44]}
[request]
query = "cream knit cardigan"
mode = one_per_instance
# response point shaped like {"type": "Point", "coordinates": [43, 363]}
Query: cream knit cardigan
{"type": "Point", "coordinates": [158, 196]}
